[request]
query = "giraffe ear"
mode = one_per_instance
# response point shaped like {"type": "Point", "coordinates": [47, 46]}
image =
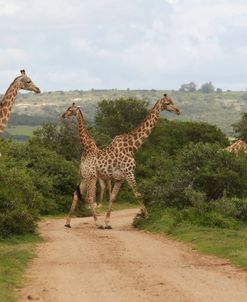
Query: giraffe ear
{"type": "Point", "coordinates": [78, 107]}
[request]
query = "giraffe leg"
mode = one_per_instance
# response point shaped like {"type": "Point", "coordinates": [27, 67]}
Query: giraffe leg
{"type": "Point", "coordinates": [102, 191]}
{"type": "Point", "coordinates": [91, 192]}
{"type": "Point", "coordinates": [109, 187]}
{"type": "Point", "coordinates": [132, 183]}
{"type": "Point", "coordinates": [113, 196]}
{"type": "Point", "coordinates": [76, 196]}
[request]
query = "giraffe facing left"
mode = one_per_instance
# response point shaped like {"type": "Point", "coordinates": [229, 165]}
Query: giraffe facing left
{"type": "Point", "coordinates": [21, 82]}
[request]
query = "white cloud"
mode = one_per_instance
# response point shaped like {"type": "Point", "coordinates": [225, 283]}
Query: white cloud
{"type": "Point", "coordinates": [9, 56]}
{"type": "Point", "coordinates": [7, 8]}
{"type": "Point", "coordinates": [73, 80]}
{"type": "Point", "coordinates": [132, 43]}
{"type": "Point", "coordinates": [171, 2]}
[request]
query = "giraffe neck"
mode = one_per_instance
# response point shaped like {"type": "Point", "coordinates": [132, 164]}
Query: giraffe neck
{"type": "Point", "coordinates": [138, 136]}
{"type": "Point", "coordinates": [87, 142]}
{"type": "Point", "coordinates": [6, 105]}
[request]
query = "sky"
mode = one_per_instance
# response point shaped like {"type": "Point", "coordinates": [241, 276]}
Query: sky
{"type": "Point", "coordinates": [136, 44]}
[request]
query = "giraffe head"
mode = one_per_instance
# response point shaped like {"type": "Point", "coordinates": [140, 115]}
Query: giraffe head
{"type": "Point", "coordinates": [168, 104]}
{"type": "Point", "coordinates": [71, 111]}
{"type": "Point", "coordinates": [25, 83]}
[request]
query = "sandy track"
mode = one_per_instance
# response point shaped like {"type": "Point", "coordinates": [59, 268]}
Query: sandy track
{"type": "Point", "coordinates": [87, 264]}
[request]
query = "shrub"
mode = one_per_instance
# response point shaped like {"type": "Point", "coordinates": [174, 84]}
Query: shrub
{"type": "Point", "coordinates": [53, 176]}
{"type": "Point", "coordinates": [167, 219]}
{"type": "Point", "coordinates": [19, 201]}
{"type": "Point", "coordinates": [207, 219]}
{"type": "Point", "coordinates": [231, 207]}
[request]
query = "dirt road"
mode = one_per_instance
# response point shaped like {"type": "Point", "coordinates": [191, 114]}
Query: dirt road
{"type": "Point", "coordinates": [85, 264]}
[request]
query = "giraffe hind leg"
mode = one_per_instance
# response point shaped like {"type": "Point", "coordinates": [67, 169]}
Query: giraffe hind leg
{"type": "Point", "coordinates": [91, 192]}
{"type": "Point", "coordinates": [80, 190]}
{"type": "Point", "coordinates": [113, 196]}
{"type": "Point", "coordinates": [73, 206]}
{"type": "Point", "coordinates": [132, 183]}
{"type": "Point", "coordinates": [102, 191]}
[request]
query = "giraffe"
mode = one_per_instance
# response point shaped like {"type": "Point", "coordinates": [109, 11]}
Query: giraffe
{"type": "Point", "coordinates": [237, 147]}
{"type": "Point", "coordinates": [102, 190]}
{"type": "Point", "coordinates": [122, 149]}
{"type": "Point", "coordinates": [116, 161]}
{"type": "Point", "coordinates": [90, 149]}
{"type": "Point", "coordinates": [20, 82]}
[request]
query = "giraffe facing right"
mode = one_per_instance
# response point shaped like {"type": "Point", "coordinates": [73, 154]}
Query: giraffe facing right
{"type": "Point", "coordinates": [20, 82]}
{"type": "Point", "coordinates": [116, 161]}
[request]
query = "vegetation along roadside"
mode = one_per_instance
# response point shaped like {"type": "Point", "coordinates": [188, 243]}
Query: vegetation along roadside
{"type": "Point", "coordinates": [194, 189]}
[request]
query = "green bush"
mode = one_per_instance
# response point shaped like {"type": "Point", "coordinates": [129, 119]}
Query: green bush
{"type": "Point", "coordinates": [207, 219]}
{"type": "Point", "coordinates": [19, 201]}
{"type": "Point", "coordinates": [166, 219]}
{"type": "Point", "coordinates": [52, 175]}
{"type": "Point", "coordinates": [214, 171]}
{"type": "Point", "coordinates": [61, 136]}
{"type": "Point", "coordinates": [231, 207]}
{"type": "Point", "coordinates": [204, 170]}
{"type": "Point", "coordinates": [172, 136]}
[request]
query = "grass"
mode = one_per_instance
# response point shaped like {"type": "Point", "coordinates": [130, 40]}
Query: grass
{"type": "Point", "coordinates": [14, 256]}
{"type": "Point", "coordinates": [224, 243]}
{"type": "Point", "coordinates": [118, 205]}
{"type": "Point", "coordinates": [229, 243]}
{"type": "Point", "coordinates": [21, 130]}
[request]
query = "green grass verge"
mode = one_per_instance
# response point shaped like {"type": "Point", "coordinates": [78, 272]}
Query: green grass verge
{"type": "Point", "coordinates": [227, 242]}
{"type": "Point", "coordinates": [14, 256]}
{"type": "Point", "coordinates": [21, 130]}
{"type": "Point", "coordinates": [118, 205]}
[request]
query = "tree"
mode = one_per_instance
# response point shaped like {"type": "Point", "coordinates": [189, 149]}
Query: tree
{"type": "Point", "coordinates": [114, 117]}
{"type": "Point", "coordinates": [61, 137]}
{"type": "Point", "coordinates": [202, 167]}
{"type": "Point", "coordinates": [172, 136]}
{"type": "Point", "coordinates": [190, 87]}
{"type": "Point", "coordinates": [207, 88]}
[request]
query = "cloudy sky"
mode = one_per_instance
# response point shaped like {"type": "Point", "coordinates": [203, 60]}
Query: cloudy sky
{"type": "Point", "coordinates": [137, 44]}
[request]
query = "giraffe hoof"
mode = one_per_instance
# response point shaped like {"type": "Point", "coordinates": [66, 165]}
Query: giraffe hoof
{"type": "Point", "coordinates": [67, 226]}
{"type": "Point", "coordinates": [101, 227]}
{"type": "Point", "coordinates": [108, 227]}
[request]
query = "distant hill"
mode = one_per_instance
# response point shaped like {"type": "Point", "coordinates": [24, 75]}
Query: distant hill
{"type": "Point", "coordinates": [221, 109]}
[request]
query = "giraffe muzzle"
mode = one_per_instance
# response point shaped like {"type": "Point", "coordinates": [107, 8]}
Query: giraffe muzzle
{"type": "Point", "coordinates": [175, 109]}
{"type": "Point", "coordinates": [37, 90]}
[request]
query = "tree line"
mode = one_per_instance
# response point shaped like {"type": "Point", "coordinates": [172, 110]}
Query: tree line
{"type": "Point", "coordinates": [183, 166]}
{"type": "Point", "coordinates": [207, 87]}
